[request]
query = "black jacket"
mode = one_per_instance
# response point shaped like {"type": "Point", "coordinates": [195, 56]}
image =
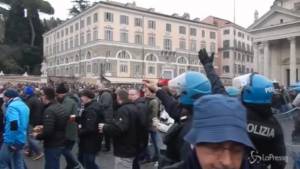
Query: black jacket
{"type": "Point", "coordinates": [266, 134]}
{"type": "Point", "coordinates": [105, 101]}
{"type": "Point", "coordinates": [89, 137]}
{"type": "Point", "coordinates": [36, 109]}
{"type": "Point", "coordinates": [124, 130]}
{"type": "Point", "coordinates": [54, 121]}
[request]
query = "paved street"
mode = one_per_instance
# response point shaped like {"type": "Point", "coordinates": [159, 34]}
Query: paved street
{"type": "Point", "coordinates": [104, 160]}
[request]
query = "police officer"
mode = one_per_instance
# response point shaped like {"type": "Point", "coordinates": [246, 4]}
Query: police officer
{"type": "Point", "coordinates": [263, 128]}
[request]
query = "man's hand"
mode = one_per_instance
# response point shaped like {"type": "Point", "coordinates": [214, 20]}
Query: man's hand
{"type": "Point", "coordinates": [204, 58]}
{"type": "Point", "coordinates": [34, 134]}
{"type": "Point", "coordinates": [151, 86]}
{"type": "Point", "coordinates": [72, 118]}
{"type": "Point", "coordinates": [100, 127]}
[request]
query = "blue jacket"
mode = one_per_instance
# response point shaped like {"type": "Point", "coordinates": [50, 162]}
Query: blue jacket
{"type": "Point", "coordinates": [16, 122]}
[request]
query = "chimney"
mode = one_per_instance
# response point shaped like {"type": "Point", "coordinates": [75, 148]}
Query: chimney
{"type": "Point", "coordinates": [175, 15]}
{"type": "Point", "coordinates": [186, 16]}
{"type": "Point", "coordinates": [151, 10]}
{"type": "Point", "coordinates": [196, 19]}
{"type": "Point", "coordinates": [133, 4]}
{"type": "Point", "coordinates": [256, 15]}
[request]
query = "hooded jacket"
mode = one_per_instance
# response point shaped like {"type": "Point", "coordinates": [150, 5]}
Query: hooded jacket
{"type": "Point", "coordinates": [16, 123]}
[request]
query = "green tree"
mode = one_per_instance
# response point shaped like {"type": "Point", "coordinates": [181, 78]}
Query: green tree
{"type": "Point", "coordinates": [79, 6]}
{"type": "Point", "coordinates": [33, 7]}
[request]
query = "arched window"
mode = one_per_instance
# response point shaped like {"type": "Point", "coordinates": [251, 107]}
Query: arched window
{"type": "Point", "coordinates": [182, 60]}
{"type": "Point", "coordinates": [151, 57]}
{"type": "Point", "coordinates": [123, 63]}
{"type": "Point", "coordinates": [88, 55]}
{"type": "Point", "coordinates": [123, 55]}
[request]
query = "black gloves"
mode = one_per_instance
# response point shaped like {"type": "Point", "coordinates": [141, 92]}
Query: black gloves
{"type": "Point", "coordinates": [204, 58]}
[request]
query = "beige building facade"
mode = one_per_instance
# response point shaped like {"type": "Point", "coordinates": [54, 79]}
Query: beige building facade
{"type": "Point", "coordinates": [123, 41]}
{"type": "Point", "coordinates": [235, 49]}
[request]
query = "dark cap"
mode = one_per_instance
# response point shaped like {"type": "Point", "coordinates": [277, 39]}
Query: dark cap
{"type": "Point", "coordinates": [62, 88]}
{"type": "Point", "coordinates": [11, 93]}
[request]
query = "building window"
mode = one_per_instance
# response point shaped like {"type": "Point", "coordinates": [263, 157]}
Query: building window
{"type": "Point", "coordinates": [239, 34]}
{"type": "Point", "coordinates": [95, 68]}
{"type": "Point", "coordinates": [226, 55]}
{"type": "Point", "coordinates": [107, 54]}
{"type": "Point", "coordinates": [123, 55]}
{"type": "Point", "coordinates": [213, 47]}
{"type": "Point", "coordinates": [167, 44]}
{"type": "Point", "coordinates": [88, 55]}
{"type": "Point", "coordinates": [124, 19]}
{"type": "Point", "coordinates": [137, 69]}
{"type": "Point", "coordinates": [108, 17]}
{"type": "Point", "coordinates": [138, 39]}
{"type": "Point", "coordinates": [124, 37]}
{"type": "Point", "coordinates": [82, 24]}
{"type": "Point", "coordinates": [151, 70]}
{"type": "Point", "coordinates": [88, 20]}
{"type": "Point", "coordinates": [193, 31]}
{"type": "Point", "coordinates": [226, 44]}
{"type": "Point", "coordinates": [95, 34]}
{"type": "Point", "coordinates": [124, 68]}
{"type": "Point", "coordinates": [193, 45]}
{"type": "Point", "coordinates": [62, 46]}
{"type": "Point", "coordinates": [203, 45]}
{"type": "Point", "coordinates": [88, 36]}
{"type": "Point", "coordinates": [89, 68]}
{"type": "Point", "coordinates": [108, 35]}
{"type": "Point", "coordinates": [138, 22]}
{"type": "Point", "coordinates": [181, 70]}
{"type": "Point", "coordinates": [151, 58]}
{"type": "Point", "coordinates": [62, 33]}
{"type": "Point", "coordinates": [168, 27]}
{"type": "Point", "coordinates": [182, 30]}
{"type": "Point", "coordinates": [81, 38]}
{"type": "Point", "coordinates": [151, 41]}
{"type": "Point", "coordinates": [67, 31]}
{"type": "Point", "coordinates": [212, 35]}
{"type": "Point", "coordinates": [95, 17]}
{"type": "Point", "coordinates": [151, 24]}
{"type": "Point", "coordinates": [76, 41]}
{"type": "Point", "coordinates": [226, 32]}
{"type": "Point", "coordinates": [182, 60]}
{"type": "Point", "coordinates": [66, 44]}
{"type": "Point", "coordinates": [71, 29]}
{"type": "Point", "coordinates": [226, 69]}
{"type": "Point", "coordinates": [182, 44]}
{"type": "Point", "coordinates": [108, 67]}
{"type": "Point", "coordinates": [203, 33]}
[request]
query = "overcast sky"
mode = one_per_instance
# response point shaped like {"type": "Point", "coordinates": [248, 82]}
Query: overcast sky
{"type": "Point", "coordinates": [197, 8]}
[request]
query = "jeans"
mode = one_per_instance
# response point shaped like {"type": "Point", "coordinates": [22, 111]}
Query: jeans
{"type": "Point", "coordinates": [123, 163]}
{"type": "Point", "coordinates": [33, 145]}
{"type": "Point", "coordinates": [11, 158]}
{"type": "Point", "coordinates": [296, 157]}
{"type": "Point", "coordinates": [154, 139]}
{"type": "Point", "coordinates": [52, 157]}
{"type": "Point", "coordinates": [88, 160]}
{"type": "Point", "coordinates": [67, 153]}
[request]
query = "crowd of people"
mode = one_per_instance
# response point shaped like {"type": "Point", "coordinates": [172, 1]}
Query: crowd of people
{"type": "Point", "coordinates": [212, 128]}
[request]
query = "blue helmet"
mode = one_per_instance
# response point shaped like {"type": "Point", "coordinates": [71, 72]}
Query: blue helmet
{"type": "Point", "coordinates": [189, 86]}
{"type": "Point", "coordinates": [259, 90]}
{"type": "Point", "coordinates": [233, 91]}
